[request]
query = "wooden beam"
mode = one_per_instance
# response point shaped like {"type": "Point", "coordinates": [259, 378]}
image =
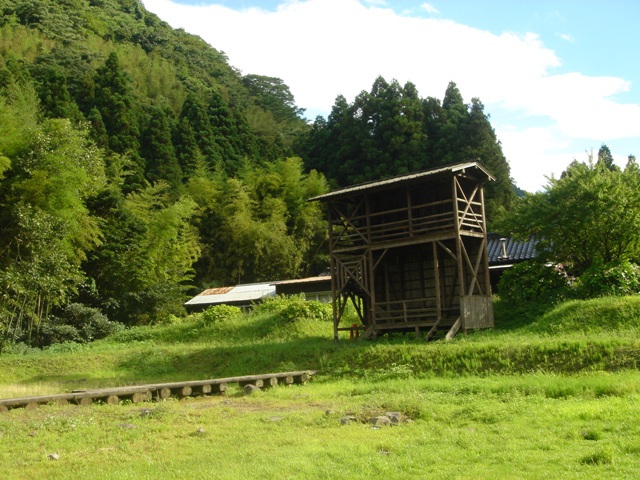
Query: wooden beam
{"type": "Point", "coordinates": [436, 276]}
{"type": "Point", "coordinates": [474, 279]}
{"type": "Point", "coordinates": [433, 329]}
{"type": "Point", "coordinates": [334, 275]}
{"type": "Point", "coordinates": [409, 213]}
{"type": "Point", "coordinates": [458, 239]}
{"type": "Point", "coordinates": [454, 329]}
{"type": "Point", "coordinates": [485, 254]}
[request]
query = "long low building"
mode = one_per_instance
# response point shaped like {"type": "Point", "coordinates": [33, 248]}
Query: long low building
{"type": "Point", "coordinates": [239, 296]}
{"type": "Point", "coordinates": [316, 288]}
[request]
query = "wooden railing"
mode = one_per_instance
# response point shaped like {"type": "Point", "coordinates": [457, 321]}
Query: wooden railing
{"type": "Point", "coordinates": [401, 223]}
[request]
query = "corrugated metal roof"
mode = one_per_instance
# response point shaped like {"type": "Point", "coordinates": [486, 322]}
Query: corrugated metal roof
{"type": "Point", "coordinates": [216, 291]}
{"type": "Point", "coordinates": [238, 294]}
{"type": "Point", "coordinates": [513, 250]}
{"type": "Point", "coordinates": [451, 169]}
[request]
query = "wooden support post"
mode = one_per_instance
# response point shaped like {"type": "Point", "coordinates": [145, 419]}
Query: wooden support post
{"type": "Point", "coordinates": [138, 397]}
{"type": "Point", "coordinates": [163, 393]}
{"type": "Point", "coordinates": [454, 329]}
{"type": "Point", "coordinates": [485, 253]}
{"type": "Point", "coordinates": [409, 212]}
{"type": "Point", "coordinates": [436, 277]}
{"type": "Point", "coordinates": [334, 274]}
{"type": "Point", "coordinates": [185, 391]}
{"type": "Point", "coordinates": [258, 383]}
{"type": "Point", "coordinates": [456, 213]}
{"type": "Point", "coordinates": [270, 382]}
{"type": "Point", "coordinates": [205, 389]}
{"type": "Point", "coordinates": [433, 330]}
{"type": "Point", "coordinates": [84, 401]}
{"type": "Point", "coordinates": [112, 400]}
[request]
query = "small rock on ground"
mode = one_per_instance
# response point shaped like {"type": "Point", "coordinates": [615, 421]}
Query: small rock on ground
{"type": "Point", "coordinates": [380, 421]}
{"type": "Point", "coordinates": [347, 420]}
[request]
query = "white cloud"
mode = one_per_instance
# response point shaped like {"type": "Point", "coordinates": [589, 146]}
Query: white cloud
{"type": "Point", "coordinates": [322, 48]}
{"type": "Point", "coordinates": [566, 36]}
{"type": "Point", "coordinates": [429, 8]}
{"type": "Point", "coordinates": [540, 152]}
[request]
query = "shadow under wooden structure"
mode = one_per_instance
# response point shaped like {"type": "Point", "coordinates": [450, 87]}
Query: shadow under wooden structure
{"type": "Point", "coordinates": [410, 253]}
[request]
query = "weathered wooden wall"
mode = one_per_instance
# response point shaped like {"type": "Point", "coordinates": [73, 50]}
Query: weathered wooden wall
{"type": "Point", "coordinates": [407, 250]}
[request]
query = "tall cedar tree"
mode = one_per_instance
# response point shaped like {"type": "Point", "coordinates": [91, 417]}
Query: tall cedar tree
{"type": "Point", "coordinates": [116, 103]}
{"type": "Point", "coordinates": [391, 131]}
{"type": "Point", "coordinates": [157, 149]}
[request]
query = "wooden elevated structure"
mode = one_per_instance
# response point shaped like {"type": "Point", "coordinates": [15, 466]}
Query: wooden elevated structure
{"type": "Point", "coordinates": [410, 252]}
{"type": "Point", "coordinates": [157, 391]}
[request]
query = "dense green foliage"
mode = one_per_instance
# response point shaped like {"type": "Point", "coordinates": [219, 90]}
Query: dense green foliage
{"type": "Point", "coordinates": [391, 131]}
{"type": "Point", "coordinates": [587, 222]}
{"type": "Point", "coordinates": [137, 166]}
{"type": "Point", "coordinates": [76, 323]}
{"type": "Point", "coordinates": [135, 163]}
{"type": "Point", "coordinates": [533, 281]}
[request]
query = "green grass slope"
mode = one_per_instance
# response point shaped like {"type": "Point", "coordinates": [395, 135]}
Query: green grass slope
{"type": "Point", "coordinates": [574, 337]}
{"type": "Point", "coordinates": [537, 397]}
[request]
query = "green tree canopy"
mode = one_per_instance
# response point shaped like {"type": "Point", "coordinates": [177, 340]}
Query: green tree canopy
{"type": "Point", "coordinates": [590, 215]}
{"type": "Point", "coordinates": [392, 131]}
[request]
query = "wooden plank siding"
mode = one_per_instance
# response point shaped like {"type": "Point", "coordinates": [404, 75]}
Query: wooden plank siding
{"type": "Point", "coordinates": [412, 251]}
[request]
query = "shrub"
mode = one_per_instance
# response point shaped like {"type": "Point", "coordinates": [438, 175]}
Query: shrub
{"type": "Point", "coordinates": [219, 313]}
{"type": "Point", "coordinates": [135, 334]}
{"type": "Point", "coordinates": [76, 323]}
{"type": "Point", "coordinates": [52, 333]}
{"type": "Point", "coordinates": [290, 308]}
{"type": "Point", "coordinates": [612, 279]}
{"type": "Point", "coordinates": [533, 281]}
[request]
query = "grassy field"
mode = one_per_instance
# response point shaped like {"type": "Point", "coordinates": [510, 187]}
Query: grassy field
{"type": "Point", "coordinates": [548, 394]}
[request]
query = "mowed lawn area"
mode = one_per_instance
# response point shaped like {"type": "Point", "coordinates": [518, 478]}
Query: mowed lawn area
{"type": "Point", "coordinates": [555, 395]}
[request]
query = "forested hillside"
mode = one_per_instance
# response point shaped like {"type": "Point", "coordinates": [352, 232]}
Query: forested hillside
{"type": "Point", "coordinates": [137, 166]}
{"type": "Point", "coordinates": [137, 163]}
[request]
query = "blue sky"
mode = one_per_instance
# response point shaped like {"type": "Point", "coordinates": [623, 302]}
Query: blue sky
{"type": "Point", "coordinates": [558, 78]}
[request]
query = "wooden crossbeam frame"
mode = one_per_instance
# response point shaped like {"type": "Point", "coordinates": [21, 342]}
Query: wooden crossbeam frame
{"type": "Point", "coordinates": [360, 242]}
{"type": "Point", "coordinates": [347, 223]}
{"type": "Point", "coordinates": [468, 202]}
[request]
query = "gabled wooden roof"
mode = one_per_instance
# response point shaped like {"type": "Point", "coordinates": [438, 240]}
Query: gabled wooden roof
{"type": "Point", "coordinates": [474, 169]}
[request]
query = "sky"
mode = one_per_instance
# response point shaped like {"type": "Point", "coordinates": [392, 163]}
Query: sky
{"type": "Point", "coordinates": [557, 78]}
